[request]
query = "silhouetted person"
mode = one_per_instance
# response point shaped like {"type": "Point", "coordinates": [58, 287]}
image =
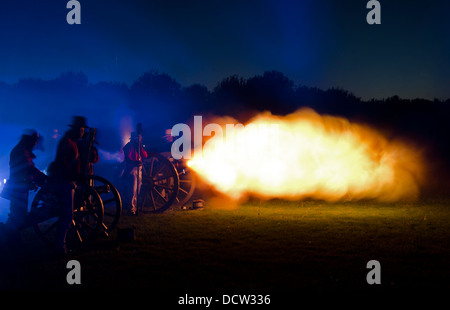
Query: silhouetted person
{"type": "Point", "coordinates": [166, 142]}
{"type": "Point", "coordinates": [64, 171]}
{"type": "Point", "coordinates": [88, 151]}
{"type": "Point", "coordinates": [133, 155]}
{"type": "Point", "coordinates": [23, 174]}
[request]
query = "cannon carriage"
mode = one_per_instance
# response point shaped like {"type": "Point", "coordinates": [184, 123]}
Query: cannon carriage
{"type": "Point", "coordinates": [97, 205]}
{"type": "Point", "coordinates": [165, 182]}
{"type": "Point", "coordinates": [88, 216]}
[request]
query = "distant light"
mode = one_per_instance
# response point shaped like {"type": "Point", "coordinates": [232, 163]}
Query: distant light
{"type": "Point", "coordinates": [4, 181]}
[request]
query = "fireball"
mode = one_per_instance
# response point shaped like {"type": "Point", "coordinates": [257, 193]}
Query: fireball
{"type": "Point", "coordinates": [307, 155]}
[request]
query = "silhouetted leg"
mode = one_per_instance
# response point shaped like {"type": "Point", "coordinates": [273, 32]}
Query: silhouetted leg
{"type": "Point", "coordinates": [66, 191]}
{"type": "Point", "coordinates": [134, 188]}
{"type": "Point", "coordinates": [18, 209]}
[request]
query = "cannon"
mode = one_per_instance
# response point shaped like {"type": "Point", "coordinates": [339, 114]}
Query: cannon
{"type": "Point", "coordinates": [87, 219]}
{"type": "Point", "coordinates": [97, 205]}
{"type": "Point", "coordinates": [165, 181]}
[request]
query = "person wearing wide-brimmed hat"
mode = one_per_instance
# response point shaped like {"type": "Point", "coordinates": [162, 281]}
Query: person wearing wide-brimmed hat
{"type": "Point", "coordinates": [67, 163]}
{"type": "Point", "coordinates": [23, 173]}
{"type": "Point", "coordinates": [64, 171]}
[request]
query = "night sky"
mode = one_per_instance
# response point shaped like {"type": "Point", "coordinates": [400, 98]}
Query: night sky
{"type": "Point", "coordinates": [320, 43]}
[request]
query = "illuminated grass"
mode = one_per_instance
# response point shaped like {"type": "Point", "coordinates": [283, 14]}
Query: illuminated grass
{"type": "Point", "coordinates": [278, 245]}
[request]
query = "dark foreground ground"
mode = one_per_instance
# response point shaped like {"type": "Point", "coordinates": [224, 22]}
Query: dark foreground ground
{"type": "Point", "coordinates": [258, 247]}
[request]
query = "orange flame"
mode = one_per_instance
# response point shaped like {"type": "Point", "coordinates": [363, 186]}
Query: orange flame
{"type": "Point", "coordinates": [305, 155]}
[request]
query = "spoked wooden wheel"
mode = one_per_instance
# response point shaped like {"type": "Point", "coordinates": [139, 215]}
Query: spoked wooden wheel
{"type": "Point", "coordinates": [112, 202]}
{"type": "Point", "coordinates": [188, 181]}
{"type": "Point", "coordinates": [87, 217]}
{"type": "Point", "coordinates": [160, 184]}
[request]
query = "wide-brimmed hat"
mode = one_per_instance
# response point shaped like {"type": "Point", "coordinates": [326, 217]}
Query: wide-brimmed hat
{"type": "Point", "coordinates": [78, 122]}
{"type": "Point", "coordinates": [167, 133]}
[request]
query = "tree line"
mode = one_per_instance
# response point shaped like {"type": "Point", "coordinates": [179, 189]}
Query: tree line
{"type": "Point", "coordinates": [159, 101]}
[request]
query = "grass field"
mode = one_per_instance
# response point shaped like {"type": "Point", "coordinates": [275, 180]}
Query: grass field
{"type": "Point", "coordinates": [259, 246]}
